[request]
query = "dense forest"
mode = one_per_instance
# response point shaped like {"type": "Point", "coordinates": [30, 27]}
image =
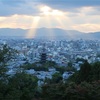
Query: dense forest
{"type": "Point", "coordinates": [82, 85]}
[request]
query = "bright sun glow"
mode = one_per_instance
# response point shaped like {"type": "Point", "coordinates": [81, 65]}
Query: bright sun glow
{"type": "Point", "coordinates": [48, 14]}
{"type": "Point", "coordinates": [57, 12]}
{"type": "Point", "coordinates": [49, 11]}
{"type": "Point", "coordinates": [45, 10]}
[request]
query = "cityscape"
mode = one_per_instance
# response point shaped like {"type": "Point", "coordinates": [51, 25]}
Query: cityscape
{"type": "Point", "coordinates": [50, 50]}
{"type": "Point", "coordinates": [61, 52]}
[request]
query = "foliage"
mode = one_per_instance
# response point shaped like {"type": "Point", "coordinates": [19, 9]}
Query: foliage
{"type": "Point", "coordinates": [21, 86]}
{"type": "Point", "coordinates": [71, 91]}
{"type": "Point", "coordinates": [61, 69]}
{"type": "Point", "coordinates": [6, 54]}
{"type": "Point", "coordinates": [35, 67]}
{"type": "Point", "coordinates": [88, 72]}
{"type": "Point", "coordinates": [95, 72]}
{"type": "Point", "coordinates": [56, 78]}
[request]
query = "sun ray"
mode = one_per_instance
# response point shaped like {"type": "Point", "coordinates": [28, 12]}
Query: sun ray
{"type": "Point", "coordinates": [58, 16]}
{"type": "Point", "coordinates": [32, 31]}
{"type": "Point", "coordinates": [50, 32]}
{"type": "Point", "coordinates": [59, 20]}
{"type": "Point", "coordinates": [51, 16]}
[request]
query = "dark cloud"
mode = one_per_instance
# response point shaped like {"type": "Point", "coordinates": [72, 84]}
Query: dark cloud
{"type": "Point", "coordinates": [21, 7]}
{"type": "Point", "coordinates": [70, 4]}
{"type": "Point", "coordinates": [10, 7]}
{"type": "Point", "coordinates": [13, 2]}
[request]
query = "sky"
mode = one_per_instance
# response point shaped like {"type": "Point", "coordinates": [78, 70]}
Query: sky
{"type": "Point", "coordinates": [81, 15]}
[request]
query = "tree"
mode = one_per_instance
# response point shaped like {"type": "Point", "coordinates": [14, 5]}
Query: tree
{"type": "Point", "coordinates": [95, 72]}
{"type": "Point", "coordinates": [6, 54]}
{"type": "Point", "coordinates": [84, 72]}
{"type": "Point", "coordinates": [22, 86]}
{"type": "Point", "coordinates": [72, 91]}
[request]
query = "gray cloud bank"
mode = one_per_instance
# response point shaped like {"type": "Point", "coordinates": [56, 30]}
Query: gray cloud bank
{"type": "Point", "coordinates": [29, 7]}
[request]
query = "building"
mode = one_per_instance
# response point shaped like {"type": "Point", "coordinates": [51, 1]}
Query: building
{"type": "Point", "coordinates": [43, 55]}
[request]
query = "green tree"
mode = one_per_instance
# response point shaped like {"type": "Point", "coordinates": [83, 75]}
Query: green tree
{"type": "Point", "coordinates": [95, 72]}
{"type": "Point", "coordinates": [22, 86]}
{"type": "Point", "coordinates": [72, 91]}
{"type": "Point", "coordinates": [84, 72]}
{"type": "Point", "coordinates": [6, 54]}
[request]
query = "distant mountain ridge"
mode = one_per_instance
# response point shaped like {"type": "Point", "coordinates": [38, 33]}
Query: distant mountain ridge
{"type": "Point", "coordinates": [54, 33]}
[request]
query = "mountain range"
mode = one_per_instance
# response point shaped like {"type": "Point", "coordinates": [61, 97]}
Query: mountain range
{"type": "Point", "coordinates": [48, 33]}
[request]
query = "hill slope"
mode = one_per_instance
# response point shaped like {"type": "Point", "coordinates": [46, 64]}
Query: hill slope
{"type": "Point", "coordinates": [51, 33]}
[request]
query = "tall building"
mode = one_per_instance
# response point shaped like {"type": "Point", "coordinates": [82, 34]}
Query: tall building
{"type": "Point", "coordinates": [43, 55]}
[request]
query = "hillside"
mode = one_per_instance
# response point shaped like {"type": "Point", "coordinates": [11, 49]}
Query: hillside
{"type": "Point", "coordinates": [50, 33]}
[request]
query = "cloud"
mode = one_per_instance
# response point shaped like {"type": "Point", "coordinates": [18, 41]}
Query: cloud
{"type": "Point", "coordinates": [17, 21]}
{"type": "Point", "coordinates": [87, 27]}
{"type": "Point", "coordinates": [82, 15]}
{"type": "Point", "coordinates": [13, 2]}
{"type": "Point", "coordinates": [18, 7]}
{"type": "Point", "coordinates": [70, 4]}
{"type": "Point", "coordinates": [30, 7]}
